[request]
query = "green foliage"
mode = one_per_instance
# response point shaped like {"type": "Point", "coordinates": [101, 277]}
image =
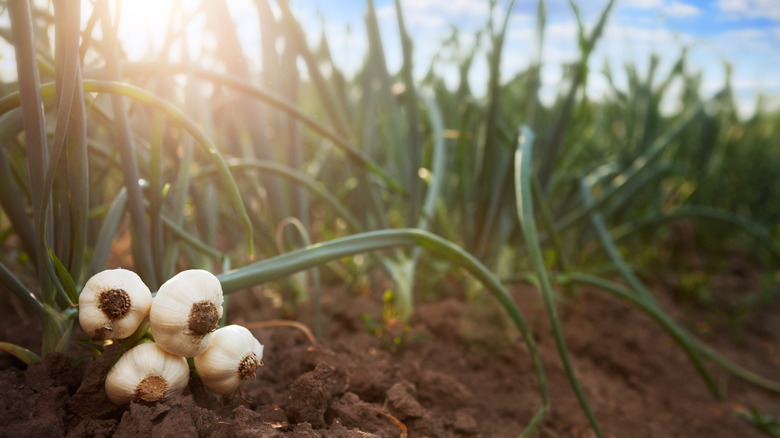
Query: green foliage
{"type": "Point", "coordinates": [763, 422]}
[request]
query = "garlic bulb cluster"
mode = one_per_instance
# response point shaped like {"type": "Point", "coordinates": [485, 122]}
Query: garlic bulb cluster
{"type": "Point", "coordinates": [183, 317]}
{"type": "Point", "coordinates": [185, 311]}
{"type": "Point", "coordinates": [147, 373]}
{"type": "Point", "coordinates": [113, 304]}
{"type": "Point", "coordinates": [233, 356]}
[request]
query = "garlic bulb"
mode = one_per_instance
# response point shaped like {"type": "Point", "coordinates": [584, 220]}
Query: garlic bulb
{"type": "Point", "coordinates": [147, 373]}
{"type": "Point", "coordinates": [185, 311]}
{"type": "Point", "coordinates": [113, 303]}
{"type": "Point", "coordinates": [233, 355]}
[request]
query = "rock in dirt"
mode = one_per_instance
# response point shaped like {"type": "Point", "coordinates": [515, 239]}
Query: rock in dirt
{"type": "Point", "coordinates": [304, 430]}
{"type": "Point", "coordinates": [401, 397]}
{"type": "Point", "coordinates": [465, 423]}
{"type": "Point", "coordinates": [90, 400]}
{"type": "Point", "coordinates": [248, 423]}
{"type": "Point", "coordinates": [338, 430]}
{"type": "Point", "coordinates": [310, 395]}
{"type": "Point", "coordinates": [402, 402]}
{"type": "Point", "coordinates": [352, 412]}
{"type": "Point", "coordinates": [444, 390]}
{"type": "Point", "coordinates": [179, 416]}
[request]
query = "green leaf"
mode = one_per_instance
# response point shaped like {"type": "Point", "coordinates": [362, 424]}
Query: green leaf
{"type": "Point", "coordinates": [67, 281]}
{"type": "Point", "coordinates": [525, 211]}
{"type": "Point", "coordinates": [20, 353]}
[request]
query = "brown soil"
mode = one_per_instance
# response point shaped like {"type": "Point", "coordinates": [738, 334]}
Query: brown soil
{"type": "Point", "coordinates": [458, 373]}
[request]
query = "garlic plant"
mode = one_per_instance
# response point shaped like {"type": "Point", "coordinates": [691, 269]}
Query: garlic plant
{"type": "Point", "coordinates": [147, 373]}
{"type": "Point", "coordinates": [233, 356]}
{"type": "Point", "coordinates": [113, 304]}
{"type": "Point", "coordinates": [186, 311]}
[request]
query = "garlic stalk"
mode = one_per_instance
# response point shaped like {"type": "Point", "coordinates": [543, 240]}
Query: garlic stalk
{"type": "Point", "coordinates": [186, 311]}
{"type": "Point", "coordinates": [233, 356]}
{"type": "Point", "coordinates": [113, 304]}
{"type": "Point", "coordinates": [147, 373]}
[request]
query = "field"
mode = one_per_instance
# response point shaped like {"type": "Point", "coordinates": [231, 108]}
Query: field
{"type": "Point", "coordinates": [417, 260]}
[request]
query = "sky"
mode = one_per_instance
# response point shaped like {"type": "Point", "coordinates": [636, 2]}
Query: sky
{"type": "Point", "coordinates": [743, 33]}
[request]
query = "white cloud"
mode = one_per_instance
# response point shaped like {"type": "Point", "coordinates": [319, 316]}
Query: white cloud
{"type": "Point", "coordinates": [670, 8]}
{"type": "Point", "coordinates": [736, 9]}
{"type": "Point", "coordinates": [448, 8]}
{"type": "Point", "coordinates": [643, 4]}
{"type": "Point", "coordinates": [680, 10]}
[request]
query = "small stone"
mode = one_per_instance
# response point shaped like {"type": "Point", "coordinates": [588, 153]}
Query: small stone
{"type": "Point", "coordinates": [403, 402]}
{"type": "Point", "coordinates": [465, 422]}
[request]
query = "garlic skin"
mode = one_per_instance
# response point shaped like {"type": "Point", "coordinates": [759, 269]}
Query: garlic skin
{"type": "Point", "coordinates": [113, 304]}
{"type": "Point", "coordinates": [233, 356]}
{"type": "Point", "coordinates": [147, 373]}
{"type": "Point", "coordinates": [185, 311]}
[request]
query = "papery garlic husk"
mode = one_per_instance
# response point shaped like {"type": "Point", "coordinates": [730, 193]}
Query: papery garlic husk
{"type": "Point", "coordinates": [233, 356]}
{"type": "Point", "coordinates": [185, 311]}
{"type": "Point", "coordinates": [147, 373]}
{"type": "Point", "coordinates": [113, 304]}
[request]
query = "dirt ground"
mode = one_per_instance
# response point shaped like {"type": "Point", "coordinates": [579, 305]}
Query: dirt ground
{"type": "Point", "coordinates": [459, 372]}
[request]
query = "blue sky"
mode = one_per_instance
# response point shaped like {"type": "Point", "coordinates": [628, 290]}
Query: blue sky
{"type": "Point", "coordinates": [745, 33]}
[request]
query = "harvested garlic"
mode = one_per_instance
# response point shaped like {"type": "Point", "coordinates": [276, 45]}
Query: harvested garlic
{"type": "Point", "coordinates": [233, 356]}
{"type": "Point", "coordinates": [185, 311]}
{"type": "Point", "coordinates": [147, 373]}
{"type": "Point", "coordinates": [113, 304]}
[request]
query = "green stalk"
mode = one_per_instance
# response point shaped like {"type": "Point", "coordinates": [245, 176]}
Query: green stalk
{"type": "Point", "coordinates": [106, 234]}
{"type": "Point", "coordinates": [293, 175]}
{"type": "Point", "coordinates": [156, 196]}
{"type": "Point", "coordinates": [142, 256]}
{"type": "Point", "coordinates": [558, 128]}
{"type": "Point", "coordinates": [11, 101]}
{"type": "Point", "coordinates": [413, 146]}
{"type": "Point", "coordinates": [246, 112]}
{"type": "Point", "coordinates": [76, 149]}
{"type": "Point", "coordinates": [402, 268]}
{"type": "Point", "coordinates": [686, 341]}
{"type": "Point", "coordinates": [609, 245]}
{"type": "Point", "coordinates": [13, 284]}
{"type": "Point", "coordinates": [35, 134]}
{"type": "Point", "coordinates": [21, 353]}
{"type": "Point", "coordinates": [317, 254]}
{"type": "Point", "coordinates": [65, 93]}
{"type": "Point", "coordinates": [547, 221]}
{"type": "Point", "coordinates": [280, 103]}
{"type": "Point", "coordinates": [439, 161]}
{"type": "Point", "coordinates": [57, 326]}
{"type": "Point", "coordinates": [640, 164]}
{"type": "Point", "coordinates": [298, 225]}
{"type": "Point", "coordinates": [525, 211]}
{"type": "Point", "coordinates": [13, 206]}
{"type": "Point", "coordinates": [759, 232]}
{"type": "Point", "coordinates": [297, 37]}
{"type": "Point", "coordinates": [190, 239]}
{"type": "Point", "coordinates": [642, 292]}
{"type": "Point", "coordinates": [179, 190]}
{"type": "Point", "coordinates": [495, 180]}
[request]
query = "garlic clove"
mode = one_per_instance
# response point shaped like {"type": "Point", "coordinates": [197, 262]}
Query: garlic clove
{"type": "Point", "coordinates": [113, 304]}
{"type": "Point", "coordinates": [233, 356]}
{"type": "Point", "coordinates": [147, 373]}
{"type": "Point", "coordinates": [185, 311]}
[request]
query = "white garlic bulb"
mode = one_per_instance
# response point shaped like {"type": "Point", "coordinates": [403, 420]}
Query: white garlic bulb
{"type": "Point", "coordinates": [185, 311]}
{"type": "Point", "coordinates": [113, 304]}
{"type": "Point", "coordinates": [147, 373]}
{"type": "Point", "coordinates": [233, 355]}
